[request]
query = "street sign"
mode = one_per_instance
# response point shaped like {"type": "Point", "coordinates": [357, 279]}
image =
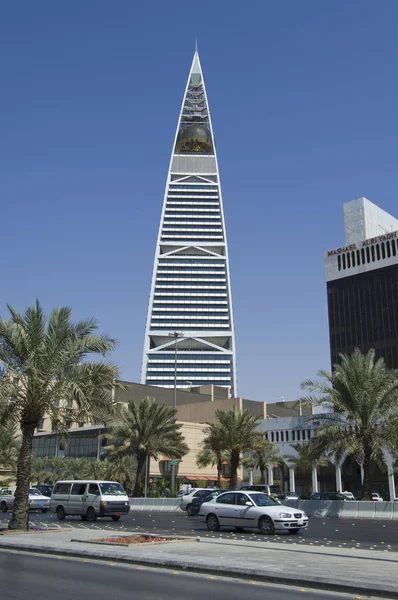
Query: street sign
{"type": "Point", "coordinates": [174, 462]}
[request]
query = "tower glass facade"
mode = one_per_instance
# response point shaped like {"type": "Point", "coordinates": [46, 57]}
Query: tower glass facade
{"type": "Point", "coordinates": [191, 292]}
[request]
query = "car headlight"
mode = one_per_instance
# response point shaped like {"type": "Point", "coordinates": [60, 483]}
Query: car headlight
{"type": "Point", "coordinates": [285, 515]}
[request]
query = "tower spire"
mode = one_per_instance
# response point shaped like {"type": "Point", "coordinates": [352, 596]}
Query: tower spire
{"type": "Point", "coordinates": [189, 337]}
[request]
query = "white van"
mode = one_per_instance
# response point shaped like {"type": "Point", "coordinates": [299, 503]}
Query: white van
{"type": "Point", "coordinates": [89, 499]}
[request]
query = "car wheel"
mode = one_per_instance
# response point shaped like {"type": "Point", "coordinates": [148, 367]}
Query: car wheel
{"type": "Point", "coordinates": [295, 530]}
{"type": "Point", "coordinates": [3, 507]}
{"type": "Point", "coordinates": [239, 529]}
{"type": "Point", "coordinates": [212, 523]}
{"type": "Point", "coordinates": [115, 518]}
{"type": "Point", "coordinates": [83, 517]}
{"type": "Point", "coordinates": [190, 510]}
{"type": "Point", "coordinates": [91, 516]}
{"type": "Point", "coordinates": [266, 526]}
{"type": "Point", "coordinates": [61, 514]}
{"type": "Point", "coordinates": [44, 510]}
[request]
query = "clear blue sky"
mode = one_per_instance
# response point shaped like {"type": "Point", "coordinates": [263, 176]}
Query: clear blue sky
{"type": "Point", "coordinates": [303, 96]}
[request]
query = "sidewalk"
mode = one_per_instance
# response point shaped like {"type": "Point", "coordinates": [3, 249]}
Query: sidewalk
{"type": "Point", "coordinates": [362, 572]}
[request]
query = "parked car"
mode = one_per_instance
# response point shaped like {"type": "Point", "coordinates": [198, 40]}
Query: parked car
{"type": "Point", "coordinates": [291, 496]}
{"type": "Point", "coordinates": [36, 500]}
{"type": "Point", "coordinates": [376, 497]}
{"type": "Point", "coordinates": [186, 499]}
{"type": "Point", "coordinates": [271, 490]}
{"type": "Point", "coordinates": [253, 510]}
{"type": "Point", "coordinates": [349, 495]}
{"type": "Point", "coordinates": [194, 507]}
{"type": "Point", "coordinates": [46, 490]}
{"type": "Point", "coordinates": [89, 499]}
{"type": "Point", "coordinates": [328, 496]}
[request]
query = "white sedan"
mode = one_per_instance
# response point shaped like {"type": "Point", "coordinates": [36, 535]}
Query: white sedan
{"type": "Point", "coordinates": [254, 510]}
{"type": "Point", "coordinates": [186, 499]}
{"type": "Point", "coordinates": [36, 500]}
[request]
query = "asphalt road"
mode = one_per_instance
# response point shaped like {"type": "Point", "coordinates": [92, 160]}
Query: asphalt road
{"type": "Point", "coordinates": [27, 577]}
{"type": "Point", "coordinates": [362, 533]}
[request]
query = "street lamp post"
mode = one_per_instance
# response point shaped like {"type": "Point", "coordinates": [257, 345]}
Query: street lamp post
{"type": "Point", "coordinates": [176, 335]}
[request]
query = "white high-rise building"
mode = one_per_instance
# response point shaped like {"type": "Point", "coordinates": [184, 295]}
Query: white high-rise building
{"type": "Point", "coordinates": [190, 319]}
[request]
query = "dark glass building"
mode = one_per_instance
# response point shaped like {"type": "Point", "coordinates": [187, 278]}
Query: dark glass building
{"type": "Point", "coordinates": [362, 284]}
{"type": "Point", "coordinates": [363, 314]}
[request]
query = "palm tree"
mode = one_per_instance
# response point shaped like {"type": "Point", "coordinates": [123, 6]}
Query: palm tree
{"type": "Point", "coordinates": [208, 457]}
{"type": "Point", "coordinates": [146, 430]}
{"type": "Point", "coordinates": [305, 459]}
{"type": "Point", "coordinates": [97, 469]}
{"type": "Point", "coordinates": [9, 447]}
{"type": "Point", "coordinates": [46, 359]}
{"type": "Point", "coordinates": [39, 472]}
{"type": "Point", "coordinates": [235, 433]}
{"type": "Point", "coordinates": [362, 396]}
{"type": "Point", "coordinates": [263, 454]}
{"type": "Point", "coordinates": [123, 470]}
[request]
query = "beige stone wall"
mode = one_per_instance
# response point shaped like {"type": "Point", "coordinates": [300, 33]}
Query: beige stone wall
{"type": "Point", "coordinates": [205, 412]}
{"type": "Point", "coordinates": [193, 435]}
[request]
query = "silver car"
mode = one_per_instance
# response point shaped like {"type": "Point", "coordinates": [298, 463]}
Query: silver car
{"type": "Point", "coordinates": [36, 500]}
{"type": "Point", "coordinates": [252, 510]}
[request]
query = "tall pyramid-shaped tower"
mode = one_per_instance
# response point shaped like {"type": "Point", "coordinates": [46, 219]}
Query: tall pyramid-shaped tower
{"type": "Point", "coordinates": [190, 321]}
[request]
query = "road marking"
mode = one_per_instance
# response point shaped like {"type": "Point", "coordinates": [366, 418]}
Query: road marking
{"type": "Point", "coordinates": [175, 572]}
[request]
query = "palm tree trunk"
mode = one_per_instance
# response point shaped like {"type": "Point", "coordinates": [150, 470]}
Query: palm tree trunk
{"type": "Point", "coordinates": [367, 483]}
{"type": "Point", "coordinates": [20, 511]}
{"type": "Point", "coordinates": [219, 471]}
{"type": "Point", "coordinates": [234, 470]}
{"type": "Point", "coordinates": [139, 479]}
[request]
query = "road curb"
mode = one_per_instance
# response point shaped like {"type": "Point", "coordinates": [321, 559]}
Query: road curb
{"type": "Point", "coordinates": [248, 574]}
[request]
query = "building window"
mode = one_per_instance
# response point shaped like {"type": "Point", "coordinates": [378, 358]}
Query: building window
{"type": "Point", "coordinates": [383, 250]}
{"type": "Point", "coordinates": [372, 250]}
{"type": "Point", "coordinates": [277, 436]}
{"type": "Point", "coordinates": [287, 436]}
{"type": "Point", "coordinates": [393, 248]}
{"type": "Point", "coordinates": [282, 437]}
{"type": "Point", "coordinates": [272, 436]}
{"type": "Point", "coordinates": [293, 436]}
{"type": "Point", "coordinates": [378, 251]}
{"type": "Point", "coordinates": [339, 262]}
{"type": "Point", "coordinates": [343, 260]}
{"type": "Point", "coordinates": [363, 255]}
{"type": "Point", "coordinates": [358, 257]}
{"type": "Point", "coordinates": [388, 249]}
{"type": "Point", "coordinates": [353, 258]}
{"type": "Point", "coordinates": [348, 261]}
{"type": "Point", "coordinates": [367, 254]}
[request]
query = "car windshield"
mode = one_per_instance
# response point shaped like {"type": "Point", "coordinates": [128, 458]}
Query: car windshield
{"type": "Point", "coordinates": [262, 500]}
{"type": "Point", "coordinates": [112, 489]}
{"type": "Point", "coordinates": [34, 492]}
